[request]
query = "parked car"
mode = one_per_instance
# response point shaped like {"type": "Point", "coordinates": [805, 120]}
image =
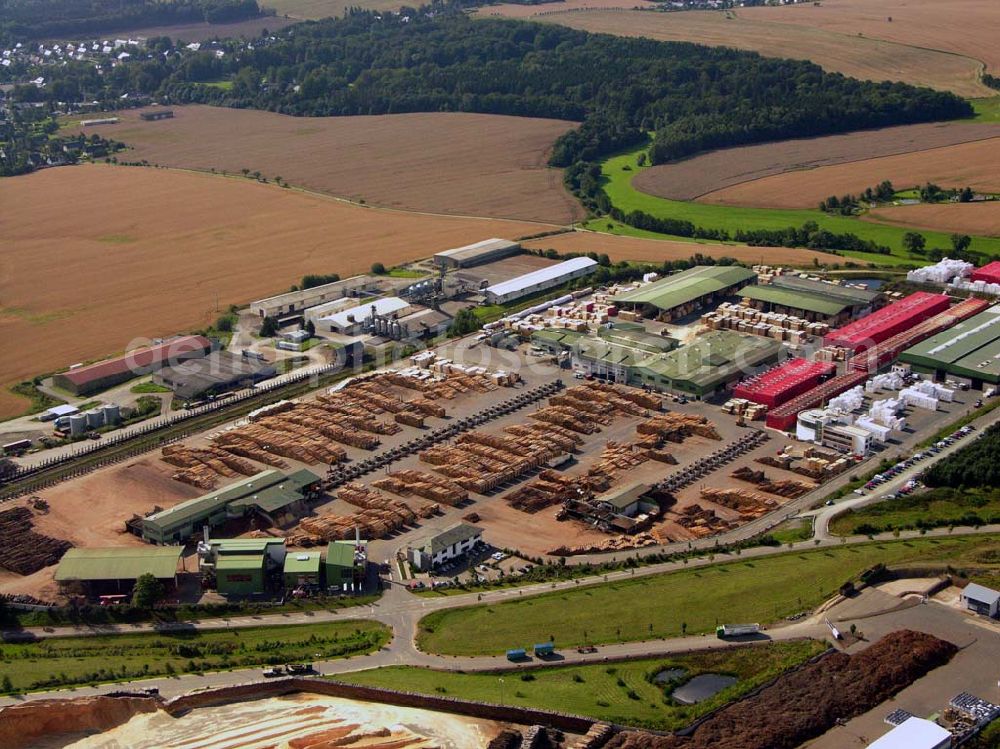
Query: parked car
{"type": "Point", "coordinates": [273, 671]}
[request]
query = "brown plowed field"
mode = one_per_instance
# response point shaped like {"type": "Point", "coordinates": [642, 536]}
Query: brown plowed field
{"type": "Point", "coordinates": [865, 57]}
{"type": "Point", "coordinates": [975, 164]}
{"type": "Point", "coordinates": [200, 32]}
{"type": "Point", "coordinates": [709, 172]}
{"type": "Point", "coordinates": [962, 27]}
{"type": "Point", "coordinates": [963, 218]}
{"type": "Point", "coordinates": [658, 250]}
{"type": "Point", "coordinates": [313, 9]}
{"type": "Point", "coordinates": [93, 257]}
{"type": "Point", "coordinates": [456, 163]}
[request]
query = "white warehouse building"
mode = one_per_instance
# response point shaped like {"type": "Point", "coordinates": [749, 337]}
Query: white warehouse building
{"type": "Point", "coordinates": [351, 321]}
{"type": "Point", "coordinates": [430, 552]}
{"type": "Point", "coordinates": [539, 280]}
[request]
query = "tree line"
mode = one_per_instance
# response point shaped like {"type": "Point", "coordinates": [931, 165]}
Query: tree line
{"type": "Point", "coordinates": [975, 465]}
{"type": "Point", "coordinates": [27, 20]}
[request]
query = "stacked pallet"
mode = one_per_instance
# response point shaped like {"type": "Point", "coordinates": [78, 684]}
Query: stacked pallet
{"type": "Point", "coordinates": [779, 487]}
{"type": "Point", "coordinates": [23, 551]}
{"type": "Point", "coordinates": [615, 543]}
{"type": "Point", "coordinates": [409, 482]}
{"type": "Point", "coordinates": [567, 439]}
{"type": "Point", "coordinates": [617, 400]}
{"type": "Point", "coordinates": [748, 504]}
{"type": "Point", "coordinates": [676, 427]}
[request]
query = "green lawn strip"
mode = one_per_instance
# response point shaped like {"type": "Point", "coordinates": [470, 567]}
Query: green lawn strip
{"type": "Point", "coordinates": [63, 661]}
{"type": "Point", "coordinates": [149, 387]}
{"type": "Point", "coordinates": [668, 605]}
{"type": "Point", "coordinates": [792, 531]}
{"type": "Point", "coordinates": [406, 273]}
{"type": "Point", "coordinates": [933, 509]}
{"type": "Point", "coordinates": [621, 169]}
{"type": "Point", "coordinates": [622, 692]}
{"type": "Point", "coordinates": [987, 109]}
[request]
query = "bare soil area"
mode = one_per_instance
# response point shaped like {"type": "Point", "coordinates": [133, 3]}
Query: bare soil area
{"type": "Point", "coordinates": [962, 27]}
{"type": "Point", "coordinates": [975, 164]}
{"type": "Point", "coordinates": [94, 257]}
{"type": "Point", "coordinates": [658, 250]}
{"type": "Point", "coordinates": [451, 162]}
{"type": "Point", "coordinates": [964, 218]}
{"type": "Point", "coordinates": [867, 57]}
{"type": "Point", "coordinates": [710, 172]}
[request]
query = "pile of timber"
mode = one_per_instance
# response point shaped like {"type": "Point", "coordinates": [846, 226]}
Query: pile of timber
{"type": "Point", "coordinates": [550, 488]}
{"type": "Point", "coordinates": [308, 423]}
{"type": "Point", "coordinates": [748, 504]}
{"type": "Point", "coordinates": [618, 456]}
{"type": "Point", "coordinates": [610, 399]}
{"type": "Point", "coordinates": [702, 522]}
{"type": "Point", "coordinates": [641, 398]}
{"type": "Point", "coordinates": [236, 443]}
{"type": "Point", "coordinates": [274, 437]}
{"type": "Point", "coordinates": [201, 468]}
{"type": "Point", "coordinates": [567, 439]}
{"type": "Point", "coordinates": [370, 523]}
{"type": "Point", "coordinates": [615, 543]}
{"type": "Point", "coordinates": [409, 482]}
{"type": "Point", "coordinates": [779, 487]}
{"type": "Point", "coordinates": [567, 418]}
{"type": "Point", "coordinates": [658, 453]}
{"type": "Point", "coordinates": [676, 427]}
{"type": "Point", "coordinates": [22, 551]}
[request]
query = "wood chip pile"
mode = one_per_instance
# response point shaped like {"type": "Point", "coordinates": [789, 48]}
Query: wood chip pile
{"type": "Point", "coordinates": [202, 468]}
{"type": "Point", "coordinates": [616, 543]}
{"type": "Point", "coordinates": [409, 482]}
{"type": "Point", "coordinates": [748, 504]}
{"type": "Point", "coordinates": [24, 551]}
{"type": "Point", "coordinates": [481, 462]}
{"type": "Point", "coordinates": [676, 427]}
{"type": "Point", "coordinates": [780, 487]}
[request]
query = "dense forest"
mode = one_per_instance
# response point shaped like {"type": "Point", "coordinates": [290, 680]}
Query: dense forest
{"type": "Point", "coordinates": [975, 465]}
{"type": "Point", "coordinates": [29, 20]}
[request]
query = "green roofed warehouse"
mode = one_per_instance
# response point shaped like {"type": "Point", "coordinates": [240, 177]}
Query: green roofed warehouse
{"type": "Point", "coordinates": [113, 571]}
{"type": "Point", "coordinates": [817, 301]}
{"type": "Point", "coordinates": [681, 294]}
{"type": "Point", "coordinates": [970, 349]}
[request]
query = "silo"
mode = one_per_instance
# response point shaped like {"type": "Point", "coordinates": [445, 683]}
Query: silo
{"type": "Point", "coordinates": [95, 418]}
{"type": "Point", "coordinates": [77, 424]}
{"type": "Point", "coordinates": [112, 414]}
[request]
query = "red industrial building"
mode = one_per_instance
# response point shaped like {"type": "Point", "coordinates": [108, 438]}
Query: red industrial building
{"type": "Point", "coordinates": [888, 321]}
{"type": "Point", "coordinates": [784, 417]}
{"type": "Point", "coordinates": [990, 273]}
{"type": "Point", "coordinates": [103, 375]}
{"type": "Point", "coordinates": [781, 384]}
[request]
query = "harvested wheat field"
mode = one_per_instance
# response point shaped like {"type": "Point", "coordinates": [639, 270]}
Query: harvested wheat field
{"type": "Point", "coordinates": [975, 164]}
{"type": "Point", "coordinates": [455, 163]}
{"type": "Point", "coordinates": [859, 57]}
{"type": "Point", "coordinates": [157, 250]}
{"type": "Point", "coordinates": [517, 10]}
{"type": "Point", "coordinates": [704, 175]}
{"type": "Point", "coordinates": [658, 250]}
{"type": "Point", "coordinates": [962, 27]}
{"type": "Point", "coordinates": [962, 218]}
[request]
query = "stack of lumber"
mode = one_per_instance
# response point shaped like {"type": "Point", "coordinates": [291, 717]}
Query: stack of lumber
{"type": "Point", "coordinates": [618, 456]}
{"type": "Point", "coordinates": [550, 488]}
{"type": "Point", "coordinates": [779, 487]}
{"type": "Point", "coordinates": [410, 418]}
{"type": "Point", "coordinates": [22, 551]}
{"type": "Point", "coordinates": [658, 453]}
{"type": "Point", "coordinates": [218, 460]}
{"type": "Point", "coordinates": [236, 443]}
{"type": "Point", "coordinates": [353, 412]}
{"type": "Point", "coordinates": [370, 499]}
{"type": "Point", "coordinates": [641, 398]}
{"type": "Point", "coordinates": [307, 423]}
{"type": "Point", "coordinates": [567, 439]}
{"type": "Point", "coordinates": [567, 418]}
{"type": "Point", "coordinates": [370, 523]}
{"type": "Point", "coordinates": [283, 438]}
{"type": "Point", "coordinates": [610, 399]}
{"type": "Point", "coordinates": [702, 522]}
{"type": "Point", "coordinates": [427, 407]}
{"type": "Point", "coordinates": [615, 543]}
{"type": "Point", "coordinates": [676, 427]}
{"type": "Point", "coordinates": [748, 504]}
{"type": "Point", "coordinates": [409, 482]}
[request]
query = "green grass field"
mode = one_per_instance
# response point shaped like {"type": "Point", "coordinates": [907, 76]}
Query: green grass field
{"type": "Point", "coordinates": [619, 170]}
{"type": "Point", "coordinates": [931, 509]}
{"type": "Point", "coordinates": [668, 605]}
{"type": "Point", "coordinates": [621, 692]}
{"type": "Point", "coordinates": [149, 387]}
{"type": "Point", "coordinates": [987, 110]}
{"type": "Point", "coordinates": [791, 531]}
{"type": "Point", "coordinates": [85, 660]}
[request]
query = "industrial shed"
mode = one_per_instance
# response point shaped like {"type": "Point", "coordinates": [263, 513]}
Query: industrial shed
{"type": "Point", "coordinates": [539, 280]}
{"type": "Point", "coordinates": [269, 494]}
{"type": "Point", "coordinates": [969, 349]}
{"type": "Point", "coordinates": [294, 302]}
{"type": "Point", "coordinates": [345, 564]}
{"type": "Point", "coordinates": [106, 374]}
{"type": "Point", "coordinates": [989, 273]}
{"type": "Point", "coordinates": [709, 364]}
{"type": "Point", "coordinates": [781, 384]}
{"type": "Point", "coordinates": [478, 253]}
{"type": "Point", "coordinates": [240, 574]}
{"type": "Point", "coordinates": [113, 571]}
{"type": "Point", "coordinates": [351, 321]}
{"type": "Point", "coordinates": [219, 372]}
{"type": "Point", "coordinates": [683, 293]}
{"type": "Point", "coordinates": [816, 301]}
{"type": "Point", "coordinates": [914, 733]}
{"type": "Point", "coordinates": [981, 599]}
{"type": "Point", "coordinates": [302, 569]}
{"type": "Point", "coordinates": [862, 334]}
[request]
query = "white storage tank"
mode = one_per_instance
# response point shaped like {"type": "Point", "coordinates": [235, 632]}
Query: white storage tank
{"type": "Point", "coordinates": [112, 413]}
{"type": "Point", "coordinates": [95, 418]}
{"type": "Point", "coordinates": [77, 424]}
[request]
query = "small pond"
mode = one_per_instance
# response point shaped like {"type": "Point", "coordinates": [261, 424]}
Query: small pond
{"type": "Point", "coordinates": [701, 687]}
{"type": "Point", "coordinates": [869, 283]}
{"type": "Point", "coordinates": [670, 674]}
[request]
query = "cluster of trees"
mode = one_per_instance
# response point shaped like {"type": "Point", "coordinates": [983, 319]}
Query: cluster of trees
{"type": "Point", "coordinates": [848, 205]}
{"type": "Point", "coordinates": [992, 81]}
{"type": "Point", "coordinates": [26, 20]}
{"type": "Point", "coordinates": [916, 244]}
{"type": "Point", "coordinates": [809, 235]}
{"type": "Point", "coordinates": [313, 280]}
{"type": "Point", "coordinates": [29, 142]}
{"type": "Point", "coordinates": [975, 465]}
{"type": "Point", "coordinates": [931, 193]}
